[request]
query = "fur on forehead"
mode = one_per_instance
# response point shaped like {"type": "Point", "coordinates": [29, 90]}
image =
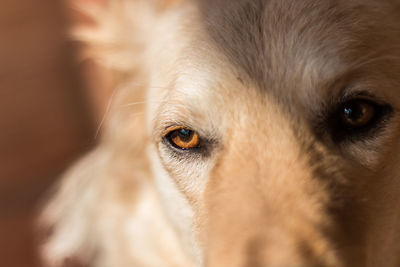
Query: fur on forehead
{"type": "Point", "coordinates": [264, 38]}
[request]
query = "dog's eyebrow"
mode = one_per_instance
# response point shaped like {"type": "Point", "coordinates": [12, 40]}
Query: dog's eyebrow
{"type": "Point", "coordinates": [169, 115]}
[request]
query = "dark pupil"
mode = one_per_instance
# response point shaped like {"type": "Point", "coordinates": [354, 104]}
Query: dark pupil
{"type": "Point", "coordinates": [354, 112]}
{"type": "Point", "coordinates": [185, 135]}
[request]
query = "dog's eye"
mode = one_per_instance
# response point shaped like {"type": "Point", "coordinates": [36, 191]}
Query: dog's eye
{"type": "Point", "coordinates": [182, 138]}
{"type": "Point", "coordinates": [357, 113]}
{"type": "Point", "coordinates": [357, 119]}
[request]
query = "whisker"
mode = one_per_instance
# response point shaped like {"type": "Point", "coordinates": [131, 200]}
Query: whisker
{"type": "Point", "coordinates": [106, 112]}
{"type": "Point", "coordinates": [142, 103]}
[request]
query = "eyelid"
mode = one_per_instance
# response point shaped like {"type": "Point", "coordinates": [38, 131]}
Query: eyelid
{"type": "Point", "coordinates": [362, 95]}
{"type": "Point", "coordinates": [326, 122]}
{"type": "Point", "coordinates": [344, 98]}
{"type": "Point", "coordinates": [165, 127]}
{"type": "Point", "coordinates": [173, 128]}
{"type": "Point", "coordinates": [382, 114]}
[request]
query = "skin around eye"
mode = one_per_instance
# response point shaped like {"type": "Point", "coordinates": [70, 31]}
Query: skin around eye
{"type": "Point", "coordinates": [356, 119]}
{"type": "Point", "coordinates": [182, 138]}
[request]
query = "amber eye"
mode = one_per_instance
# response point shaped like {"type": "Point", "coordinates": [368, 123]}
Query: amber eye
{"type": "Point", "coordinates": [182, 138]}
{"type": "Point", "coordinates": [357, 113]}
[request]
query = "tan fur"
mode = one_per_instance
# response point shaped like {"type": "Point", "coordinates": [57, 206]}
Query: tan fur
{"type": "Point", "coordinates": [269, 189]}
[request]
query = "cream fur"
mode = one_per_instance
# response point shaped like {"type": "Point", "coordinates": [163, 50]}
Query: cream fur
{"type": "Point", "coordinates": [267, 191]}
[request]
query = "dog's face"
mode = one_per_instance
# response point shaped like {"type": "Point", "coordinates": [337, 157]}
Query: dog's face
{"type": "Point", "coordinates": [275, 131]}
{"type": "Point", "coordinates": [272, 130]}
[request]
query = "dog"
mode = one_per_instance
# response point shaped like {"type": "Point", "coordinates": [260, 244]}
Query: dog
{"type": "Point", "coordinates": [242, 133]}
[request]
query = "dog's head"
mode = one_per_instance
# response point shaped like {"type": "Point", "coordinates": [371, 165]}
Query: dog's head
{"type": "Point", "coordinates": [270, 129]}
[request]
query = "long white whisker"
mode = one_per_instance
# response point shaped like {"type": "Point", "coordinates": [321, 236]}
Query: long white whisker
{"type": "Point", "coordinates": [142, 102]}
{"type": "Point", "coordinates": [105, 113]}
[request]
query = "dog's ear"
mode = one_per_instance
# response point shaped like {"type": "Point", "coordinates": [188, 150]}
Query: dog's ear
{"type": "Point", "coordinates": [115, 33]}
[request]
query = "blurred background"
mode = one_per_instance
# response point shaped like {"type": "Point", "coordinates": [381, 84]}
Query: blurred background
{"type": "Point", "coordinates": [50, 107]}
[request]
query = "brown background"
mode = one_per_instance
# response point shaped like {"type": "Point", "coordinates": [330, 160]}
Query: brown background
{"type": "Point", "coordinates": [47, 117]}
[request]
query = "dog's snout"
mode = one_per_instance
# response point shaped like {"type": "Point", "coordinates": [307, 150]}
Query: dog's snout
{"type": "Point", "coordinates": [274, 248]}
{"type": "Point", "coordinates": [260, 213]}
{"type": "Point", "coordinates": [265, 252]}
{"type": "Point", "coordinates": [282, 250]}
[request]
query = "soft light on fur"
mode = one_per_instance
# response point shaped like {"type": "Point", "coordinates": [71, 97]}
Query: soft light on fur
{"type": "Point", "coordinates": [274, 183]}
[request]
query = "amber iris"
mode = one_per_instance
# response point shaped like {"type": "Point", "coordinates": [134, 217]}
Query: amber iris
{"type": "Point", "coordinates": [357, 113]}
{"type": "Point", "coordinates": [183, 138]}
